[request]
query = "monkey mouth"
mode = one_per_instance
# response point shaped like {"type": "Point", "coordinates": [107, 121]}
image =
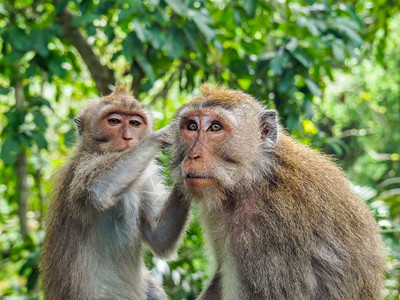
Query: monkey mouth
{"type": "Point", "coordinates": [199, 181]}
{"type": "Point", "coordinates": [197, 176]}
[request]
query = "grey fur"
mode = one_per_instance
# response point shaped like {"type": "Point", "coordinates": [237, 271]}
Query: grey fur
{"type": "Point", "coordinates": [105, 206]}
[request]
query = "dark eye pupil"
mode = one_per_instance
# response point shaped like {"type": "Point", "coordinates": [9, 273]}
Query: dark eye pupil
{"type": "Point", "coordinates": [192, 126]}
{"type": "Point", "coordinates": [113, 121]}
{"type": "Point", "coordinates": [215, 127]}
{"type": "Point", "coordinates": [134, 123]}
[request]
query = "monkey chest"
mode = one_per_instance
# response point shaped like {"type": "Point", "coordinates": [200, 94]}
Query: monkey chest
{"type": "Point", "coordinates": [119, 224]}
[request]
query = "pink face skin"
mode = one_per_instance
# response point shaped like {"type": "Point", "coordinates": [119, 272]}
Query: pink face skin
{"type": "Point", "coordinates": [123, 128]}
{"type": "Point", "coordinates": [203, 134]}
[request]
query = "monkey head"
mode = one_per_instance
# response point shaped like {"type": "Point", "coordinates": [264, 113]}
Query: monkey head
{"type": "Point", "coordinates": [222, 143]}
{"type": "Point", "coordinates": [113, 123]}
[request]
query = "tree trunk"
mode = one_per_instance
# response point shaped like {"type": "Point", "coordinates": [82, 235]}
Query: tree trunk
{"type": "Point", "coordinates": [21, 167]}
{"type": "Point", "coordinates": [102, 75]}
{"type": "Point", "coordinates": [22, 173]}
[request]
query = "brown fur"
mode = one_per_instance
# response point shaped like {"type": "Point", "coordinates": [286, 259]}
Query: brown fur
{"type": "Point", "coordinates": [287, 224]}
{"type": "Point", "coordinates": [106, 204]}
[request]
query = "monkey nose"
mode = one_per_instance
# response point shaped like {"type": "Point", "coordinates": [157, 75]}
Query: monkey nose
{"type": "Point", "coordinates": [194, 156]}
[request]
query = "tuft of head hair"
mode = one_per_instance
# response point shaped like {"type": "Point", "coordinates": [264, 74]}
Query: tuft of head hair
{"type": "Point", "coordinates": [220, 95]}
{"type": "Point", "coordinates": [122, 97]}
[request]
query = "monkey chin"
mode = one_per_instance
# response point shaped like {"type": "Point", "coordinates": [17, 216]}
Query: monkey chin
{"type": "Point", "coordinates": [199, 182]}
{"type": "Point", "coordinates": [206, 191]}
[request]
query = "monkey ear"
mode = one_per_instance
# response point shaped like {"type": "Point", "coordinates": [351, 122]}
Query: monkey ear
{"type": "Point", "coordinates": [79, 122]}
{"type": "Point", "coordinates": [269, 128]}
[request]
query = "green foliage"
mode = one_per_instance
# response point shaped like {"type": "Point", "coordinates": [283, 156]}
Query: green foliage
{"type": "Point", "coordinates": [330, 68]}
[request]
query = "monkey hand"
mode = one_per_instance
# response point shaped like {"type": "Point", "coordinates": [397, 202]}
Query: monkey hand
{"type": "Point", "coordinates": [164, 136]}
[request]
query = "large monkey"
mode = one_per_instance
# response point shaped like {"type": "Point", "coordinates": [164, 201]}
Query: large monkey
{"type": "Point", "coordinates": [108, 198]}
{"type": "Point", "coordinates": [282, 220]}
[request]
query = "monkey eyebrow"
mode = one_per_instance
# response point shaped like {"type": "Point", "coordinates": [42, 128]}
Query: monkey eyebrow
{"type": "Point", "coordinates": [223, 114]}
{"type": "Point", "coordinates": [122, 111]}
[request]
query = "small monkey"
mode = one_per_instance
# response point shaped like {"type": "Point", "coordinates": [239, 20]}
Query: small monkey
{"type": "Point", "coordinates": [282, 220]}
{"type": "Point", "coordinates": [109, 198]}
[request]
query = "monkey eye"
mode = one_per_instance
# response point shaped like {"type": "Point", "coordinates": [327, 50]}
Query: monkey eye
{"type": "Point", "coordinates": [113, 121]}
{"type": "Point", "coordinates": [215, 127]}
{"type": "Point", "coordinates": [192, 126]}
{"type": "Point", "coordinates": [135, 123]}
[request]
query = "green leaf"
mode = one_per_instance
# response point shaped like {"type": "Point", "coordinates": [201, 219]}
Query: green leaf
{"type": "Point", "coordinates": [202, 21]}
{"type": "Point", "coordinates": [39, 119]}
{"type": "Point", "coordinates": [311, 26]}
{"type": "Point", "coordinates": [154, 2]}
{"type": "Point", "coordinates": [302, 58]}
{"type": "Point", "coordinates": [125, 15]}
{"type": "Point", "coordinates": [266, 56]}
{"type": "Point", "coordinates": [207, 31]}
{"type": "Point", "coordinates": [237, 17]}
{"type": "Point", "coordinates": [54, 65]}
{"type": "Point", "coordinates": [115, 56]}
{"type": "Point", "coordinates": [39, 140]}
{"type": "Point", "coordinates": [19, 39]}
{"type": "Point", "coordinates": [15, 118]}
{"type": "Point", "coordinates": [244, 83]}
{"type": "Point", "coordinates": [24, 140]}
{"type": "Point", "coordinates": [174, 43]}
{"type": "Point", "coordinates": [338, 48]}
{"type": "Point", "coordinates": [177, 6]}
{"type": "Point", "coordinates": [109, 32]}
{"type": "Point", "coordinates": [314, 89]}
{"type": "Point", "coordinates": [84, 20]}
{"type": "Point", "coordinates": [39, 101]}
{"type": "Point", "coordinates": [292, 121]}
{"type": "Point", "coordinates": [286, 83]}
{"type": "Point", "coordinates": [346, 22]}
{"type": "Point", "coordinates": [14, 57]}
{"type": "Point", "coordinates": [85, 5]}
{"type": "Point", "coordinates": [349, 28]}
{"type": "Point", "coordinates": [4, 90]}
{"type": "Point", "coordinates": [157, 37]}
{"type": "Point", "coordinates": [190, 35]}
{"type": "Point", "coordinates": [279, 62]}
{"type": "Point", "coordinates": [61, 6]}
{"type": "Point", "coordinates": [32, 279]}
{"type": "Point", "coordinates": [332, 143]}
{"type": "Point", "coordinates": [9, 150]}
{"type": "Point", "coordinates": [250, 7]}
{"type": "Point", "coordinates": [141, 32]}
{"type": "Point", "coordinates": [354, 36]}
{"type": "Point", "coordinates": [147, 67]}
{"type": "Point", "coordinates": [70, 138]}
{"type": "Point", "coordinates": [131, 46]}
{"type": "Point", "coordinates": [40, 40]}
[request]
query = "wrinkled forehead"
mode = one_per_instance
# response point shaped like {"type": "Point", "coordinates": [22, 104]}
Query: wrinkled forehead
{"type": "Point", "coordinates": [197, 108]}
{"type": "Point", "coordinates": [232, 113]}
{"type": "Point", "coordinates": [100, 108]}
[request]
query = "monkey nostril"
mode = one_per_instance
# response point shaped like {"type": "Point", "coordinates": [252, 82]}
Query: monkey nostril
{"type": "Point", "coordinates": [194, 156]}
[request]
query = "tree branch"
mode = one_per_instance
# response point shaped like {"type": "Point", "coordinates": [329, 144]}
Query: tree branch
{"type": "Point", "coordinates": [136, 82]}
{"type": "Point", "coordinates": [102, 75]}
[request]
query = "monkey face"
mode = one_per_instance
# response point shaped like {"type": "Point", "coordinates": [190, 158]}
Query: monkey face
{"type": "Point", "coordinates": [204, 134]}
{"type": "Point", "coordinates": [121, 129]}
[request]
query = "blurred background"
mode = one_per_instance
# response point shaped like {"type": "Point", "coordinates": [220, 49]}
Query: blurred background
{"type": "Point", "coordinates": [331, 69]}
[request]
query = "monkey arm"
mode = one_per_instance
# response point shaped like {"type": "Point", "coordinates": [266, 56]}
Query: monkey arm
{"type": "Point", "coordinates": [106, 188]}
{"type": "Point", "coordinates": [163, 234]}
{"type": "Point", "coordinates": [213, 290]}
{"type": "Point", "coordinates": [100, 179]}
